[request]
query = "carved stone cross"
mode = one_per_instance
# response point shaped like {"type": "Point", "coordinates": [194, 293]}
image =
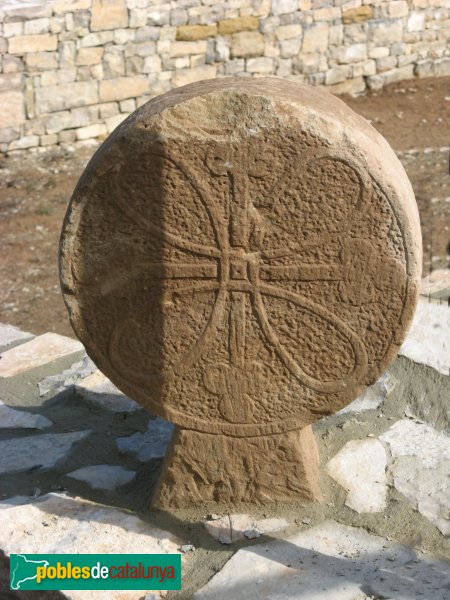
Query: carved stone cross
{"type": "Point", "coordinates": [243, 258]}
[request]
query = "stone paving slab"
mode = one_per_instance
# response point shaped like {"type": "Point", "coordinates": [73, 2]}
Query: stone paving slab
{"type": "Point", "coordinates": [98, 389]}
{"type": "Point", "coordinates": [428, 341]}
{"type": "Point", "coordinates": [43, 451]}
{"type": "Point", "coordinates": [360, 468]}
{"type": "Point", "coordinates": [329, 561]}
{"type": "Point", "coordinates": [10, 418]}
{"type": "Point", "coordinates": [103, 477]}
{"type": "Point", "coordinates": [59, 524]}
{"type": "Point", "coordinates": [37, 352]}
{"type": "Point", "coordinates": [153, 443]}
{"type": "Point", "coordinates": [10, 334]}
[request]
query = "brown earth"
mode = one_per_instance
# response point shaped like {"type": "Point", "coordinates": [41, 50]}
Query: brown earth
{"type": "Point", "coordinates": [35, 188]}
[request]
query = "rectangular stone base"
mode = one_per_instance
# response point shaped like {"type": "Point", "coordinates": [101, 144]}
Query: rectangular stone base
{"type": "Point", "coordinates": [214, 470]}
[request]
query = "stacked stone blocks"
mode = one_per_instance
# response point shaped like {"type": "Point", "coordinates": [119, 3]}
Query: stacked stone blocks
{"type": "Point", "coordinates": [72, 71]}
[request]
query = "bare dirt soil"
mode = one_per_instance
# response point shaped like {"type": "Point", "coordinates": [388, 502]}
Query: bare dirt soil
{"type": "Point", "coordinates": [35, 189]}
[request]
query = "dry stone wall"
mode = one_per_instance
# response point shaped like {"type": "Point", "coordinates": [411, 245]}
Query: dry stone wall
{"type": "Point", "coordinates": [71, 71]}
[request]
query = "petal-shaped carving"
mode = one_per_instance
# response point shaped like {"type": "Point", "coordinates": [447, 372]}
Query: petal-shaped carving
{"type": "Point", "coordinates": [290, 321]}
{"type": "Point", "coordinates": [176, 219]}
{"type": "Point", "coordinates": [167, 354]}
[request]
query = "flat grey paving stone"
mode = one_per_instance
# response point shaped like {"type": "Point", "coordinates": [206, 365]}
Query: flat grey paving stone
{"type": "Point", "coordinates": [45, 450]}
{"type": "Point", "coordinates": [153, 443]}
{"type": "Point", "coordinates": [360, 467]}
{"type": "Point", "coordinates": [10, 418]}
{"type": "Point", "coordinates": [10, 334]}
{"type": "Point", "coordinates": [37, 352]}
{"type": "Point", "coordinates": [103, 477]}
{"type": "Point", "coordinates": [329, 561]}
{"type": "Point", "coordinates": [428, 341]}
{"type": "Point", "coordinates": [99, 390]}
{"type": "Point", "coordinates": [68, 377]}
{"type": "Point", "coordinates": [58, 524]}
{"type": "Point", "coordinates": [421, 468]}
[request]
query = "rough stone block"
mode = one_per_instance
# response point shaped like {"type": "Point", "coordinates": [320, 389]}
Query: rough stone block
{"type": "Point", "coordinates": [108, 14]}
{"type": "Point", "coordinates": [152, 64]}
{"type": "Point", "coordinates": [315, 38]}
{"type": "Point", "coordinates": [350, 86]}
{"type": "Point", "coordinates": [12, 109]}
{"type": "Point", "coordinates": [13, 29]}
{"type": "Point", "coordinates": [36, 26]}
{"type": "Point", "coordinates": [53, 99]}
{"type": "Point", "coordinates": [41, 350]}
{"type": "Point", "coordinates": [357, 15]}
{"type": "Point", "coordinates": [378, 52]}
{"type": "Point", "coordinates": [11, 82]}
{"type": "Point", "coordinates": [115, 121]}
{"type": "Point", "coordinates": [113, 64]}
{"type": "Point", "coordinates": [89, 56]}
{"type": "Point", "coordinates": [290, 48]}
{"type": "Point", "coordinates": [91, 131]}
{"type": "Point", "coordinates": [306, 63]}
{"type": "Point", "coordinates": [398, 8]}
{"type": "Point", "coordinates": [32, 43]}
{"type": "Point", "coordinates": [416, 22]}
{"type": "Point", "coordinates": [187, 48]}
{"type": "Point", "coordinates": [122, 87]}
{"type": "Point", "coordinates": [192, 33]}
{"type": "Point", "coordinates": [8, 134]}
{"type": "Point", "coordinates": [186, 76]}
{"type": "Point", "coordinates": [230, 26]}
{"type": "Point", "coordinates": [41, 61]}
{"type": "Point", "coordinates": [26, 141]}
{"type": "Point", "coordinates": [12, 64]}
{"type": "Point", "coordinates": [56, 122]}
{"type": "Point", "coordinates": [282, 7]}
{"type": "Point", "coordinates": [259, 65]}
{"type": "Point", "coordinates": [287, 32]}
{"type": "Point", "coordinates": [97, 39]}
{"type": "Point", "coordinates": [247, 44]}
{"type": "Point", "coordinates": [354, 53]}
{"type": "Point", "coordinates": [384, 33]}
{"type": "Point", "coordinates": [337, 75]}
{"type": "Point", "coordinates": [327, 14]}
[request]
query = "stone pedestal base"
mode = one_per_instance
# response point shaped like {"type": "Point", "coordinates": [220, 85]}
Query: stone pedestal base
{"type": "Point", "coordinates": [219, 470]}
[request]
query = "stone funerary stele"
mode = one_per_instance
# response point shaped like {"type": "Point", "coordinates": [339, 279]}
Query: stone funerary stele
{"type": "Point", "coordinates": [242, 257]}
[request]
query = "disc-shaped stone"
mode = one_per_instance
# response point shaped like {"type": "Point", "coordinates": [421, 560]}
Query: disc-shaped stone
{"type": "Point", "coordinates": [242, 256]}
